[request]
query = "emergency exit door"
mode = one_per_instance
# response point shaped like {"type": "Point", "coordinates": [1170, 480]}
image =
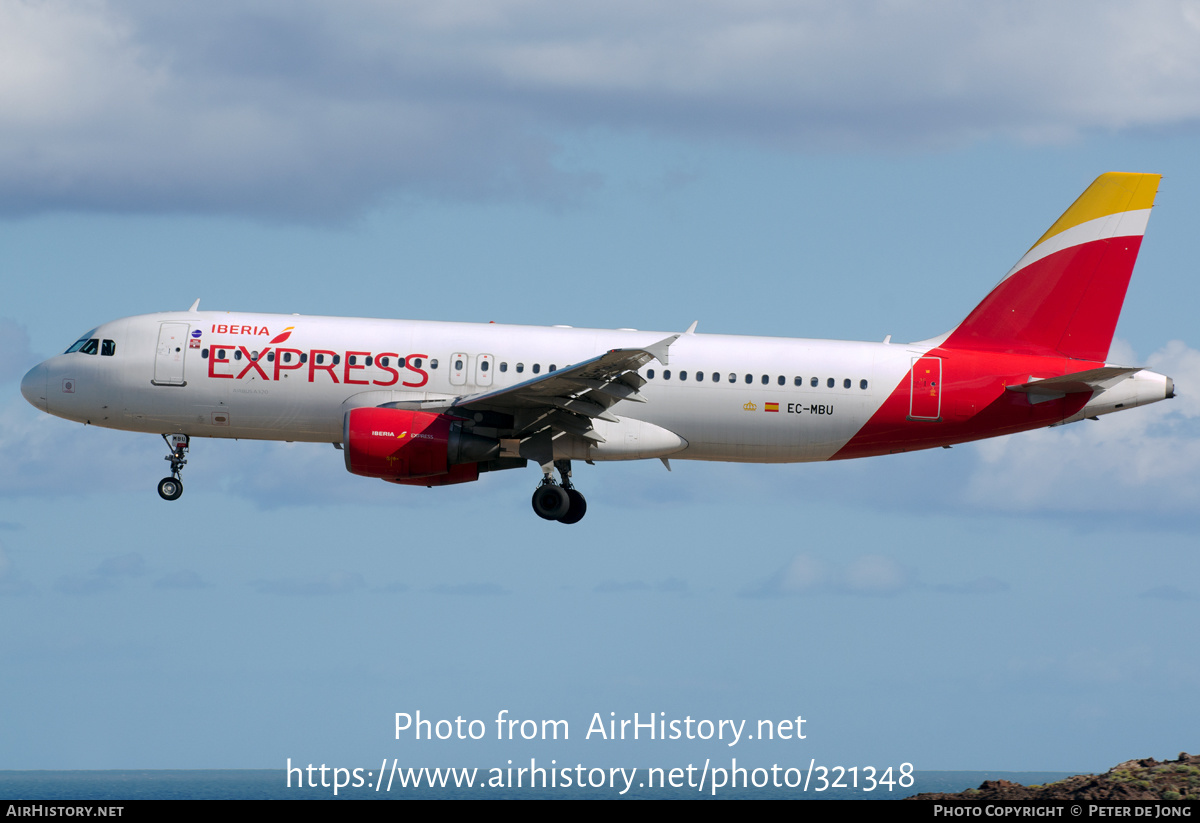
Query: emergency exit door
{"type": "Point", "coordinates": [925, 399]}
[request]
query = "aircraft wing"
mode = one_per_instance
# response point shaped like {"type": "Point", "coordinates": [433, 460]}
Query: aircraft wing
{"type": "Point", "coordinates": [565, 400]}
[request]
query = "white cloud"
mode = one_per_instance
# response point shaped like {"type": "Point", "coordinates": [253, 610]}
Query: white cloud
{"type": "Point", "coordinates": [44, 456]}
{"type": "Point", "coordinates": [15, 355]}
{"type": "Point", "coordinates": [307, 109]}
{"type": "Point", "coordinates": [1144, 460]}
{"type": "Point", "coordinates": [870, 575]}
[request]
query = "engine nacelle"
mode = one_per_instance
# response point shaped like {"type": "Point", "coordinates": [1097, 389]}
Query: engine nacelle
{"type": "Point", "coordinates": [401, 445]}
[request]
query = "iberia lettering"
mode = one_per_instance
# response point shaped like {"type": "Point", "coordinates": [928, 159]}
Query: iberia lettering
{"type": "Point", "coordinates": [355, 368]}
{"type": "Point", "coordinates": [225, 328]}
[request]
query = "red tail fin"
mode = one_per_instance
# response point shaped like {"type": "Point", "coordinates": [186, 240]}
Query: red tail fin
{"type": "Point", "coordinates": [1065, 294]}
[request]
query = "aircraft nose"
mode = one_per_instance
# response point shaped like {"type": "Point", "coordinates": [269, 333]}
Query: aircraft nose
{"type": "Point", "coordinates": [33, 386]}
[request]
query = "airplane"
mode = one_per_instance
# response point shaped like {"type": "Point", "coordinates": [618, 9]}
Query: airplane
{"type": "Point", "coordinates": [439, 403]}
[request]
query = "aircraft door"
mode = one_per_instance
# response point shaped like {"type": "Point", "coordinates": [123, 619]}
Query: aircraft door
{"type": "Point", "coordinates": [483, 370]}
{"type": "Point", "coordinates": [925, 400]}
{"type": "Point", "coordinates": [168, 358]}
{"type": "Point", "coordinates": [458, 369]}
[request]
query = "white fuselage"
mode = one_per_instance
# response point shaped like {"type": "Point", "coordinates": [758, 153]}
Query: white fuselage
{"type": "Point", "coordinates": [715, 398]}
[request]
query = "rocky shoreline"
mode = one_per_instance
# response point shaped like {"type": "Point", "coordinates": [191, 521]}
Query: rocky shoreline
{"type": "Point", "coordinates": [1131, 781]}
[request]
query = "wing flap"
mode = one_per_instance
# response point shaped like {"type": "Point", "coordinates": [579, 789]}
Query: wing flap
{"type": "Point", "coordinates": [567, 400]}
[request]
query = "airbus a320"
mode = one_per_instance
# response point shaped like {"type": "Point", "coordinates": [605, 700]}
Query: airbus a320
{"type": "Point", "coordinates": [435, 404]}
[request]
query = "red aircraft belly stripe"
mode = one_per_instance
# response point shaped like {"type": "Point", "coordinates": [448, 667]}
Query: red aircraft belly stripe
{"type": "Point", "coordinates": [974, 403]}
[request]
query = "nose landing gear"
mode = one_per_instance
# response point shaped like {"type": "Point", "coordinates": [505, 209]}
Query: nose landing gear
{"type": "Point", "coordinates": [563, 503]}
{"type": "Point", "coordinates": [170, 488]}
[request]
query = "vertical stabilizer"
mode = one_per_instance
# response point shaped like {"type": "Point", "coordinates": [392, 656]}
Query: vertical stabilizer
{"type": "Point", "coordinates": [1065, 295]}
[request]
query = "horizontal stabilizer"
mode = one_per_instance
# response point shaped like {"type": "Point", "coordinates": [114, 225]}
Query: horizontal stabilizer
{"type": "Point", "coordinates": [1076, 383]}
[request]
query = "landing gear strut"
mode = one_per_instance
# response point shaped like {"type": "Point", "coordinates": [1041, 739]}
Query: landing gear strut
{"type": "Point", "coordinates": [170, 488]}
{"type": "Point", "coordinates": [563, 503]}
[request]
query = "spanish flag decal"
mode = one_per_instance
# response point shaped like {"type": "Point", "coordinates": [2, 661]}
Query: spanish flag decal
{"type": "Point", "coordinates": [772, 407]}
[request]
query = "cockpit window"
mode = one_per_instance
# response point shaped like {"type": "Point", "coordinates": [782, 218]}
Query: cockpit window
{"type": "Point", "coordinates": [108, 348]}
{"type": "Point", "coordinates": [91, 347]}
{"type": "Point", "coordinates": [81, 342]}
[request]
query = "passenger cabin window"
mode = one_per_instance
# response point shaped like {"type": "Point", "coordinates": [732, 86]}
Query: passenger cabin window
{"type": "Point", "coordinates": [846, 383]}
{"type": "Point", "coordinates": [237, 355]}
{"type": "Point", "coordinates": [433, 363]}
{"type": "Point", "coordinates": [108, 348]}
{"type": "Point", "coordinates": [650, 374]}
{"type": "Point", "coordinates": [766, 379]}
{"type": "Point", "coordinates": [537, 368]}
{"type": "Point", "coordinates": [732, 377]}
{"type": "Point", "coordinates": [816, 381]}
{"type": "Point", "coordinates": [799, 381]}
{"type": "Point", "coordinates": [458, 365]}
{"type": "Point", "coordinates": [782, 381]}
{"type": "Point", "coordinates": [553, 367]}
{"type": "Point", "coordinates": [287, 357]}
{"type": "Point", "coordinates": [683, 375]}
{"type": "Point", "coordinates": [483, 366]}
{"type": "Point", "coordinates": [749, 378]}
{"type": "Point", "coordinates": [520, 368]}
{"type": "Point", "coordinates": [666, 374]}
{"type": "Point", "coordinates": [829, 382]}
{"type": "Point", "coordinates": [503, 366]}
{"type": "Point", "coordinates": [862, 384]}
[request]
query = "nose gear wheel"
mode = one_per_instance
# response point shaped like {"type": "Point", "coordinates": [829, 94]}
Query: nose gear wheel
{"type": "Point", "coordinates": [170, 488]}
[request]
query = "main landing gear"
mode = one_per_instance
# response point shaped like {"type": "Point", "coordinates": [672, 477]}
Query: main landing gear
{"type": "Point", "coordinates": [169, 488]}
{"type": "Point", "coordinates": [562, 503]}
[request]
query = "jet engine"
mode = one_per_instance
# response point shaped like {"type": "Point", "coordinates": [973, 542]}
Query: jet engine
{"type": "Point", "coordinates": [413, 447]}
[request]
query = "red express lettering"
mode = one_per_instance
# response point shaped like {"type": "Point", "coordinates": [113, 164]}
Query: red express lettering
{"type": "Point", "coordinates": [424, 375]}
{"type": "Point", "coordinates": [253, 364]}
{"type": "Point", "coordinates": [350, 357]}
{"type": "Point", "coordinates": [314, 366]}
{"type": "Point", "coordinates": [219, 354]}
{"type": "Point", "coordinates": [215, 356]}
{"type": "Point", "coordinates": [395, 374]}
{"type": "Point", "coordinates": [281, 366]}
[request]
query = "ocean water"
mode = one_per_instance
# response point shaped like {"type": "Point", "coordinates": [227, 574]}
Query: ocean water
{"type": "Point", "coordinates": [271, 784]}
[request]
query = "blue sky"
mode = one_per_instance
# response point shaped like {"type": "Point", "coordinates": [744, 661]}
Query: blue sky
{"type": "Point", "coordinates": [828, 170]}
